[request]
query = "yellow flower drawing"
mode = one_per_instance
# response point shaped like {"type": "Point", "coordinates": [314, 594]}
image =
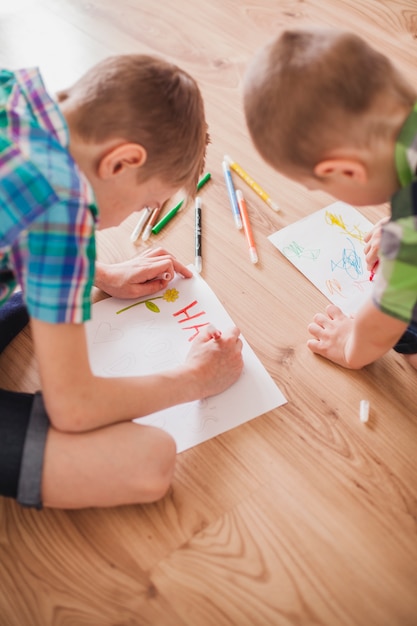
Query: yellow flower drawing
{"type": "Point", "coordinates": [170, 295]}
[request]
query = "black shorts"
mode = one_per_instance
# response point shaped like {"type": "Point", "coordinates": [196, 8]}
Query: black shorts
{"type": "Point", "coordinates": [24, 426]}
{"type": "Point", "coordinates": [407, 344]}
{"type": "Point", "coordinates": [13, 318]}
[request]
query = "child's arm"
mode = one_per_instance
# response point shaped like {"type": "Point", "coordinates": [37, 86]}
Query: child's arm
{"type": "Point", "coordinates": [354, 342]}
{"type": "Point", "coordinates": [143, 275]}
{"type": "Point", "coordinates": [76, 400]}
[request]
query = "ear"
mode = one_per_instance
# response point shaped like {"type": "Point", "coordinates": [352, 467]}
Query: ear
{"type": "Point", "coordinates": [342, 169]}
{"type": "Point", "coordinates": [120, 159]}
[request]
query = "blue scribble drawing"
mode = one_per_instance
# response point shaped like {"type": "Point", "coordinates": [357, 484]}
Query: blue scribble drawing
{"type": "Point", "coordinates": [350, 262]}
{"type": "Point", "coordinates": [295, 250]}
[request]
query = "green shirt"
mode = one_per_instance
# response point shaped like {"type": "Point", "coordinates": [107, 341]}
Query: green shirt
{"type": "Point", "coordinates": [395, 290]}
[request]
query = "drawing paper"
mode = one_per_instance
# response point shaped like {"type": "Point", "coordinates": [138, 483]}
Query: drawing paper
{"type": "Point", "coordinates": [156, 334]}
{"type": "Point", "coordinates": [327, 247]}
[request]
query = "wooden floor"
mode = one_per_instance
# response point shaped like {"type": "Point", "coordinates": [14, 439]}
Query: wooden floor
{"type": "Point", "coordinates": [301, 517]}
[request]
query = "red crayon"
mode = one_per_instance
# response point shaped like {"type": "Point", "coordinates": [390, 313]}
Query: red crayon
{"type": "Point", "coordinates": [373, 270]}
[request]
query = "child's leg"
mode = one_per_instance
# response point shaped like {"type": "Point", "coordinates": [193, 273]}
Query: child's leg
{"type": "Point", "coordinates": [15, 411]}
{"type": "Point", "coordinates": [121, 464]}
{"type": "Point", "coordinates": [407, 345]}
{"type": "Point", "coordinates": [412, 360]}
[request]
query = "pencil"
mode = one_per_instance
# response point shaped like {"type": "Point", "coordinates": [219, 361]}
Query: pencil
{"type": "Point", "coordinates": [249, 181]}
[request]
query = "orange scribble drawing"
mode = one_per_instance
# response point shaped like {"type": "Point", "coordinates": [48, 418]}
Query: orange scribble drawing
{"type": "Point", "coordinates": [334, 286]}
{"type": "Point", "coordinates": [361, 284]}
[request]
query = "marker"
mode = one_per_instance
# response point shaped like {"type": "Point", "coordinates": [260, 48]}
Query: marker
{"type": "Point", "coordinates": [232, 195]}
{"type": "Point", "coordinates": [164, 276]}
{"type": "Point", "coordinates": [249, 181]}
{"type": "Point", "coordinates": [168, 217]}
{"type": "Point", "coordinates": [246, 226]}
{"type": "Point", "coordinates": [144, 216]}
{"type": "Point", "coordinates": [364, 411]}
{"type": "Point", "coordinates": [373, 270]}
{"type": "Point", "coordinates": [198, 261]}
{"type": "Point", "coordinates": [151, 223]}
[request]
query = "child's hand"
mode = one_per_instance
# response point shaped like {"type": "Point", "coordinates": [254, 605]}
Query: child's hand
{"type": "Point", "coordinates": [331, 331]}
{"type": "Point", "coordinates": [354, 342]}
{"type": "Point", "coordinates": [215, 360]}
{"type": "Point", "coordinates": [372, 243]}
{"type": "Point", "coordinates": [143, 275]}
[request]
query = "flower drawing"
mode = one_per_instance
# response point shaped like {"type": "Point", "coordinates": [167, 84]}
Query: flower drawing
{"type": "Point", "coordinates": [170, 295]}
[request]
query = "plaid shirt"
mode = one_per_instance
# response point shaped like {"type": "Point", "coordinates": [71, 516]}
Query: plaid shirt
{"type": "Point", "coordinates": [47, 211]}
{"type": "Point", "coordinates": [396, 281]}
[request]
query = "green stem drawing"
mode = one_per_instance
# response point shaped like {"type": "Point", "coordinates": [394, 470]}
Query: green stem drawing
{"type": "Point", "coordinates": [148, 303]}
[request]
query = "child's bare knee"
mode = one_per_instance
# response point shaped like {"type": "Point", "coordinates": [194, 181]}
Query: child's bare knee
{"type": "Point", "coordinates": [160, 471]}
{"type": "Point", "coordinates": [165, 470]}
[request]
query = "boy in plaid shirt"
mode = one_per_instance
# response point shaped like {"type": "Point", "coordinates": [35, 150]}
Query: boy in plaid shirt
{"type": "Point", "coordinates": [129, 134]}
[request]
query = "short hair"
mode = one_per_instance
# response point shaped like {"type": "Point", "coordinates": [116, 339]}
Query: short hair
{"type": "Point", "coordinates": [149, 101]}
{"type": "Point", "coordinates": [309, 91]}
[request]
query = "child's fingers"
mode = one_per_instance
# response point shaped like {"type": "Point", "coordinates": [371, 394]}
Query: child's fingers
{"type": "Point", "coordinates": [371, 258]}
{"type": "Point", "coordinates": [213, 333]}
{"type": "Point", "coordinates": [367, 236]}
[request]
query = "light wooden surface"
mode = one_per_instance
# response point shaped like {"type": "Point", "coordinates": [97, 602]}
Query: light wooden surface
{"type": "Point", "coordinates": [303, 516]}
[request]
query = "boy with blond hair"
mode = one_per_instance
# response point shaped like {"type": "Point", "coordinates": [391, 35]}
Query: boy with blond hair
{"type": "Point", "coordinates": [330, 112]}
{"type": "Point", "coordinates": [129, 134]}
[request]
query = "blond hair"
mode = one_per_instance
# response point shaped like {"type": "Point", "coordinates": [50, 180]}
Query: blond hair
{"type": "Point", "coordinates": [308, 92]}
{"type": "Point", "coordinates": [145, 100]}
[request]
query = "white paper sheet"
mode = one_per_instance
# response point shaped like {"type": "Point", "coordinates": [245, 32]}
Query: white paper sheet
{"type": "Point", "coordinates": [155, 335]}
{"type": "Point", "coordinates": [327, 247]}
